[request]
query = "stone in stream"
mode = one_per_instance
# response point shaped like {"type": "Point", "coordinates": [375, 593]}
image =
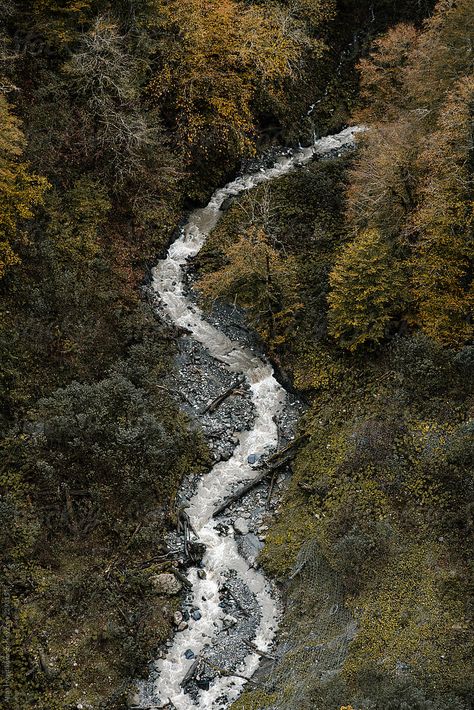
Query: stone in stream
{"type": "Point", "coordinates": [250, 546]}
{"type": "Point", "coordinates": [241, 527]}
{"type": "Point", "coordinates": [197, 550]}
{"type": "Point", "coordinates": [202, 574]}
{"type": "Point", "coordinates": [189, 654]}
{"type": "Point", "coordinates": [177, 618]}
{"type": "Point", "coordinates": [196, 614]}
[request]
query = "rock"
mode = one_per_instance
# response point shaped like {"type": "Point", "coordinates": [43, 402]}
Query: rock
{"type": "Point", "coordinates": [202, 574]}
{"type": "Point", "coordinates": [241, 526]}
{"type": "Point", "coordinates": [229, 621]}
{"type": "Point", "coordinates": [177, 618]}
{"type": "Point", "coordinates": [250, 546]}
{"type": "Point", "coordinates": [196, 614]}
{"type": "Point", "coordinates": [189, 654]}
{"type": "Point", "coordinates": [252, 459]}
{"type": "Point", "coordinates": [197, 550]}
{"type": "Point", "coordinates": [166, 583]}
{"type": "Point", "coordinates": [185, 615]}
{"type": "Point", "coordinates": [227, 204]}
{"type": "Point", "coordinates": [183, 626]}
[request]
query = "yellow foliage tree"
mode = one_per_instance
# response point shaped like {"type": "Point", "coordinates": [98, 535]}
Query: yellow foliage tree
{"type": "Point", "coordinates": [382, 74]}
{"type": "Point", "coordinates": [366, 289]}
{"type": "Point", "coordinates": [260, 279]}
{"type": "Point", "coordinates": [20, 190]}
{"type": "Point", "coordinates": [219, 56]}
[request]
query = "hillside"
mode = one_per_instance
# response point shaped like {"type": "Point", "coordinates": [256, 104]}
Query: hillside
{"type": "Point", "coordinates": [355, 271]}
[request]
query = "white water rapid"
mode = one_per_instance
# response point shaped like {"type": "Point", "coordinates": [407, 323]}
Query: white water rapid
{"type": "Point", "coordinates": [268, 398]}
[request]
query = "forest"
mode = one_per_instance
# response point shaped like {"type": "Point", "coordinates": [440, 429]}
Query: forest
{"type": "Point", "coordinates": [116, 119]}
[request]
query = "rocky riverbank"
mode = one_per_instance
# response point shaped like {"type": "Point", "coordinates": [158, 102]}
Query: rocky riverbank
{"type": "Point", "coordinates": [200, 381]}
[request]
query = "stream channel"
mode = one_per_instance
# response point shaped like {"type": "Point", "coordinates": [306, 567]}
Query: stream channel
{"type": "Point", "coordinates": [232, 608]}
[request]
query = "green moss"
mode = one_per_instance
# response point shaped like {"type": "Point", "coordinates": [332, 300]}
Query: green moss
{"type": "Point", "coordinates": [254, 700]}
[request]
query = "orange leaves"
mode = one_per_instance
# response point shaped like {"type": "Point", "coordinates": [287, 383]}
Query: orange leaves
{"type": "Point", "coordinates": [413, 179]}
{"type": "Point", "coordinates": [443, 257]}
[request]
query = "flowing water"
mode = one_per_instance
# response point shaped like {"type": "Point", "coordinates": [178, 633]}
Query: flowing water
{"type": "Point", "coordinates": [268, 398]}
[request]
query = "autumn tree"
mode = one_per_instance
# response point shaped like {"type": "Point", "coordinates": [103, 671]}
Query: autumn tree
{"type": "Point", "coordinates": [443, 257]}
{"type": "Point", "coordinates": [383, 180]}
{"type": "Point", "coordinates": [382, 74]}
{"type": "Point", "coordinates": [260, 279]}
{"type": "Point", "coordinates": [366, 290]}
{"type": "Point", "coordinates": [20, 190]}
{"type": "Point", "coordinates": [412, 179]}
{"type": "Point", "coordinates": [216, 60]}
{"type": "Point", "coordinates": [442, 54]}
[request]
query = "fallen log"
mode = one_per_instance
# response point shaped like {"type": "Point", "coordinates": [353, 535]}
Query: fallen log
{"type": "Point", "coordinates": [230, 674]}
{"type": "Point", "coordinates": [241, 492]}
{"type": "Point", "coordinates": [222, 398]}
{"type": "Point", "coordinates": [289, 448]}
{"type": "Point", "coordinates": [233, 596]}
{"type": "Point", "coordinates": [270, 490]}
{"type": "Point", "coordinates": [256, 650]}
{"type": "Point", "coordinates": [269, 468]}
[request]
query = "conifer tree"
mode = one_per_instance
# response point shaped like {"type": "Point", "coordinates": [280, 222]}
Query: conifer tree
{"type": "Point", "coordinates": [366, 290]}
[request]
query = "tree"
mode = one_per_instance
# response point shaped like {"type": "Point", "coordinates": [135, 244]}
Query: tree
{"type": "Point", "coordinates": [216, 60]}
{"type": "Point", "coordinates": [382, 75]}
{"type": "Point", "coordinates": [20, 190]}
{"type": "Point", "coordinates": [442, 54]}
{"type": "Point", "coordinates": [366, 290]}
{"type": "Point", "coordinates": [260, 279]}
{"type": "Point", "coordinates": [443, 256]}
{"type": "Point", "coordinates": [382, 185]}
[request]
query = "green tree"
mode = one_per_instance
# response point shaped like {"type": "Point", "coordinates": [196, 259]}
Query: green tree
{"type": "Point", "coordinates": [366, 290]}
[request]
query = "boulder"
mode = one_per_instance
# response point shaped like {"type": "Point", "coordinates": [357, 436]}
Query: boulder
{"type": "Point", "coordinates": [241, 526]}
{"type": "Point", "coordinates": [166, 583]}
{"type": "Point", "coordinates": [197, 550]}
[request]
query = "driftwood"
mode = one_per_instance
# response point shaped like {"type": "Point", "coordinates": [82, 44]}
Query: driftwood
{"type": "Point", "coordinates": [222, 671]}
{"type": "Point", "coordinates": [222, 398]}
{"type": "Point", "coordinates": [241, 492]}
{"type": "Point", "coordinates": [289, 448]}
{"type": "Point", "coordinates": [270, 490]}
{"type": "Point", "coordinates": [237, 601]}
{"type": "Point", "coordinates": [269, 468]}
{"type": "Point", "coordinates": [256, 650]}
